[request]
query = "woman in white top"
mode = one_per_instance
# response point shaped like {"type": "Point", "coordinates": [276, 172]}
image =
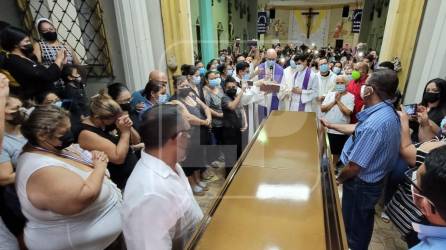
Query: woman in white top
{"type": "Point", "coordinates": [65, 193]}
{"type": "Point", "coordinates": [337, 108]}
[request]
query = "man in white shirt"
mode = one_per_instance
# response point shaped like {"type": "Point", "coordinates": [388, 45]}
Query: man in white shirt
{"type": "Point", "coordinates": [159, 210]}
{"type": "Point", "coordinates": [299, 87]}
{"type": "Point", "coordinates": [327, 79]}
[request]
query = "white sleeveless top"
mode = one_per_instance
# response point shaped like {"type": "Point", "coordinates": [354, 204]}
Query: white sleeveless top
{"type": "Point", "coordinates": [95, 227]}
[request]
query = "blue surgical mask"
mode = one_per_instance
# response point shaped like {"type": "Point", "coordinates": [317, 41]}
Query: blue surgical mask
{"type": "Point", "coordinates": [230, 72]}
{"type": "Point", "coordinates": [337, 70]}
{"type": "Point", "coordinates": [214, 82]}
{"type": "Point", "coordinates": [202, 71]}
{"type": "Point", "coordinates": [442, 126]}
{"type": "Point", "coordinates": [58, 104]}
{"type": "Point", "coordinates": [196, 80]}
{"type": "Point", "coordinates": [324, 68]}
{"type": "Point", "coordinates": [293, 64]}
{"type": "Point", "coordinates": [163, 98]}
{"type": "Point", "coordinates": [270, 63]}
{"type": "Point", "coordinates": [340, 88]}
{"type": "Point", "coordinates": [349, 77]}
{"type": "Point", "coordinates": [246, 77]}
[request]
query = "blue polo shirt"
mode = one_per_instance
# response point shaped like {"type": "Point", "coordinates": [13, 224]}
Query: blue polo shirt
{"type": "Point", "coordinates": [375, 144]}
{"type": "Point", "coordinates": [432, 237]}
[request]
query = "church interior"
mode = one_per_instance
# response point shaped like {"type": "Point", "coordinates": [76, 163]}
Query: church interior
{"type": "Point", "coordinates": [293, 66]}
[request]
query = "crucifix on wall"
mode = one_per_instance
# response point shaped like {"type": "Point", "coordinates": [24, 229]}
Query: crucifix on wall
{"type": "Point", "coordinates": [309, 15]}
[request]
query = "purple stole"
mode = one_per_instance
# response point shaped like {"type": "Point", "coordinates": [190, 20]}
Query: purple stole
{"type": "Point", "coordinates": [304, 87]}
{"type": "Point", "coordinates": [277, 76]}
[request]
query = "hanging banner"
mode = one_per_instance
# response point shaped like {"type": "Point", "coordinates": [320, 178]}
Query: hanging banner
{"type": "Point", "coordinates": [261, 22]}
{"type": "Point", "coordinates": [356, 20]}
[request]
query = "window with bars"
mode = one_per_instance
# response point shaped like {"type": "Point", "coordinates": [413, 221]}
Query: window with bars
{"type": "Point", "coordinates": [79, 24]}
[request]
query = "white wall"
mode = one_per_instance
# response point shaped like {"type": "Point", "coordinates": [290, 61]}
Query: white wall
{"type": "Point", "coordinates": [430, 52]}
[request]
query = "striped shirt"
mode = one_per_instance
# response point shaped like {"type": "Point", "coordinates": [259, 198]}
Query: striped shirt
{"type": "Point", "coordinates": [375, 144]}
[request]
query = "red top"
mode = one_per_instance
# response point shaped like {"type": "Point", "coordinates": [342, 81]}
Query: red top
{"type": "Point", "coordinates": [355, 88]}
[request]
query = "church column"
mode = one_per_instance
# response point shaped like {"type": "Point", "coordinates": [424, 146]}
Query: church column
{"type": "Point", "coordinates": [177, 34]}
{"type": "Point", "coordinates": [400, 34]}
{"type": "Point", "coordinates": [136, 44]}
{"type": "Point", "coordinates": [430, 54]}
{"type": "Point", "coordinates": [207, 31]}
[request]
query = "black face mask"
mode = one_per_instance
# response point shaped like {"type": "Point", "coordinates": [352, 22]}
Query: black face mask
{"type": "Point", "coordinates": [18, 118]}
{"type": "Point", "coordinates": [110, 128]}
{"type": "Point", "coordinates": [431, 97]}
{"type": "Point", "coordinates": [49, 36]}
{"type": "Point", "coordinates": [67, 139]}
{"type": "Point", "coordinates": [126, 106]}
{"type": "Point", "coordinates": [27, 49]}
{"type": "Point", "coordinates": [182, 93]}
{"type": "Point", "coordinates": [231, 92]}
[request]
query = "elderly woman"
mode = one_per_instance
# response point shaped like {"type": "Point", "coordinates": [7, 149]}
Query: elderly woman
{"type": "Point", "coordinates": [65, 192]}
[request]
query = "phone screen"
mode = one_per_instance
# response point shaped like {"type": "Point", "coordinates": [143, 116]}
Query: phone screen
{"type": "Point", "coordinates": [250, 83]}
{"type": "Point", "coordinates": [410, 109]}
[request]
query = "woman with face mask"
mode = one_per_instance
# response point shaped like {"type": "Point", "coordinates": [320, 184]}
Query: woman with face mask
{"type": "Point", "coordinates": [337, 107]}
{"type": "Point", "coordinates": [200, 118]}
{"type": "Point", "coordinates": [13, 143]}
{"type": "Point", "coordinates": [109, 129]}
{"type": "Point", "coordinates": [46, 49]}
{"type": "Point", "coordinates": [63, 189]}
{"type": "Point", "coordinates": [434, 100]}
{"type": "Point", "coordinates": [212, 95]}
{"type": "Point", "coordinates": [32, 77]}
{"type": "Point", "coordinates": [121, 94]}
{"type": "Point", "coordinates": [194, 77]}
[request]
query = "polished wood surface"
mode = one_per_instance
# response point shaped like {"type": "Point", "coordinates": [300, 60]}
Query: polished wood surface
{"type": "Point", "coordinates": [274, 201]}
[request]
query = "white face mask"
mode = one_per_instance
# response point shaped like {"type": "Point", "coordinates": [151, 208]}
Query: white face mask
{"type": "Point", "coordinates": [300, 67]}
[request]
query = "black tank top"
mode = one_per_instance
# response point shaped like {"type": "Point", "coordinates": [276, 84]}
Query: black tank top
{"type": "Point", "coordinates": [119, 173]}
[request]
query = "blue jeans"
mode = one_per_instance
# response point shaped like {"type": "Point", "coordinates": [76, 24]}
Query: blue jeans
{"type": "Point", "coordinates": [358, 209]}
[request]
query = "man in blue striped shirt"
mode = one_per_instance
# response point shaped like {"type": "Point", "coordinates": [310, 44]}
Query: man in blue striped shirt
{"type": "Point", "coordinates": [369, 154]}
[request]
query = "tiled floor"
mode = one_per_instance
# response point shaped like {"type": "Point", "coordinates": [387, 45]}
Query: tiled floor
{"type": "Point", "coordinates": [385, 235]}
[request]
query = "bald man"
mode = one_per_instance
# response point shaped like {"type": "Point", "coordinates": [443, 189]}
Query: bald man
{"type": "Point", "coordinates": [270, 71]}
{"type": "Point", "coordinates": [359, 74]}
{"type": "Point", "coordinates": [139, 101]}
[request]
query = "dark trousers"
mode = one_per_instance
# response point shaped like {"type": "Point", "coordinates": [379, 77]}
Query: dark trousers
{"type": "Point", "coordinates": [214, 150]}
{"type": "Point", "coordinates": [232, 141]}
{"type": "Point", "coordinates": [358, 209]}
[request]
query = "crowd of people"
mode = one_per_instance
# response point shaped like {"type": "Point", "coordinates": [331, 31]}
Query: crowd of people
{"type": "Point", "coordinates": [123, 167]}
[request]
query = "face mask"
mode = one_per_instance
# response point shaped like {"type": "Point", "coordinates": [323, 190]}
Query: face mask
{"type": "Point", "coordinates": [27, 49]}
{"type": "Point", "coordinates": [78, 79]}
{"type": "Point", "coordinates": [324, 68]}
{"type": "Point", "coordinates": [67, 139]}
{"type": "Point", "coordinates": [300, 67]}
{"type": "Point", "coordinates": [110, 128]}
{"type": "Point", "coordinates": [340, 88]}
{"type": "Point", "coordinates": [431, 97]}
{"type": "Point", "coordinates": [363, 94]}
{"type": "Point", "coordinates": [230, 72]}
{"type": "Point", "coordinates": [163, 99]}
{"type": "Point", "coordinates": [222, 59]}
{"type": "Point", "coordinates": [202, 71]}
{"type": "Point", "coordinates": [196, 80]}
{"type": "Point", "coordinates": [293, 64]}
{"type": "Point", "coordinates": [270, 63]}
{"type": "Point", "coordinates": [126, 106]}
{"type": "Point", "coordinates": [349, 77]}
{"type": "Point", "coordinates": [18, 117]}
{"type": "Point", "coordinates": [214, 82]}
{"type": "Point", "coordinates": [49, 36]}
{"type": "Point", "coordinates": [58, 104]}
{"type": "Point", "coordinates": [182, 93]}
{"type": "Point", "coordinates": [356, 75]}
{"type": "Point", "coordinates": [231, 92]}
{"type": "Point", "coordinates": [442, 126]}
{"type": "Point", "coordinates": [337, 70]}
{"type": "Point", "coordinates": [246, 77]}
